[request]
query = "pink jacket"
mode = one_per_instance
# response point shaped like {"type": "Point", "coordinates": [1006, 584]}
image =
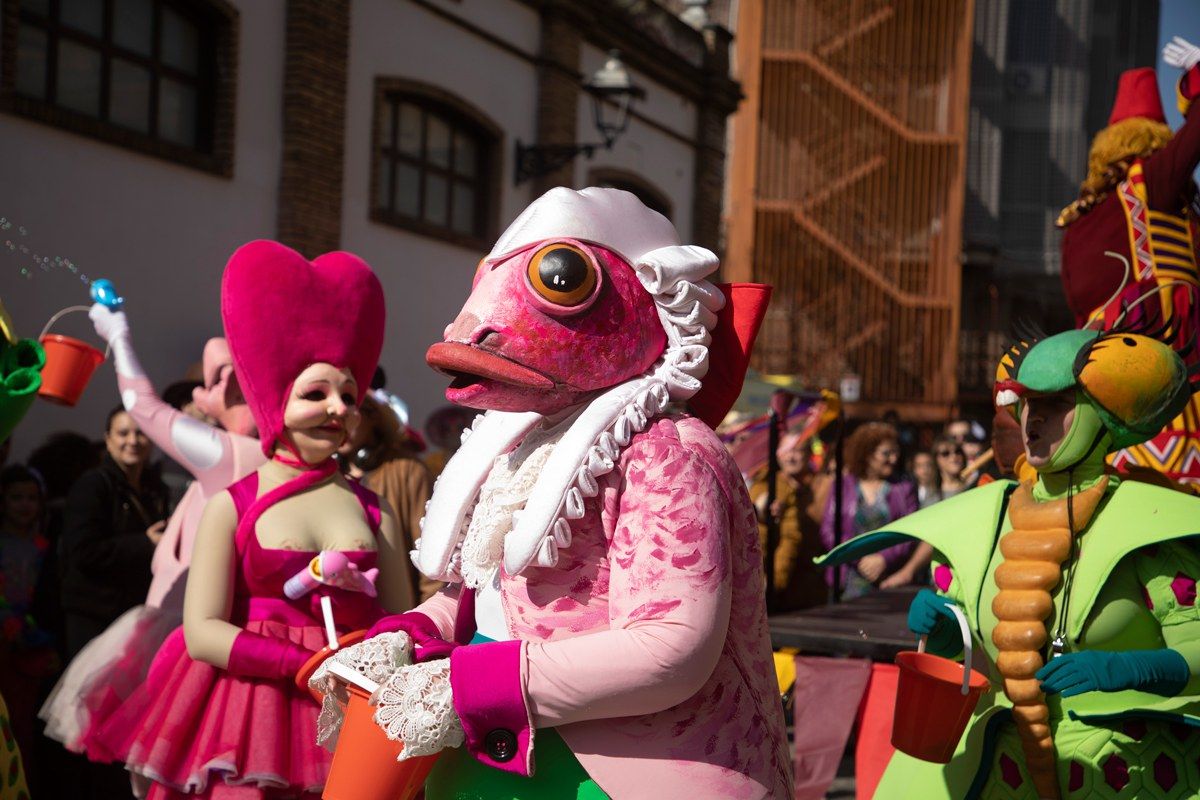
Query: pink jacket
{"type": "Point", "coordinates": [647, 646]}
{"type": "Point", "coordinates": [216, 458]}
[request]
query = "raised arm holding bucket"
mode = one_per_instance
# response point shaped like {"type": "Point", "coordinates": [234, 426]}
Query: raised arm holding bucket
{"type": "Point", "coordinates": [1078, 587]}
{"type": "Point", "coordinates": [112, 666]}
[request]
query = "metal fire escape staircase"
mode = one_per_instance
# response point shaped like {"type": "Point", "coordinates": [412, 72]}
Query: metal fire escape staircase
{"type": "Point", "coordinates": [860, 151]}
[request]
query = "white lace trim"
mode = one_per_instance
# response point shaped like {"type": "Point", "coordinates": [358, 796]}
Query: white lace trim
{"type": "Point", "coordinates": [377, 658]}
{"type": "Point", "coordinates": [449, 510]}
{"type": "Point", "coordinates": [687, 307]}
{"type": "Point", "coordinates": [503, 496]}
{"type": "Point", "coordinates": [415, 707]}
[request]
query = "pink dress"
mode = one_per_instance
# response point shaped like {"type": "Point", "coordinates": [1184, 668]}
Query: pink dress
{"type": "Point", "coordinates": [197, 730]}
{"type": "Point", "coordinates": [114, 664]}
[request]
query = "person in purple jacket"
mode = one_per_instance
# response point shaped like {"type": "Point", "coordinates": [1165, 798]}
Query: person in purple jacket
{"type": "Point", "coordinates": [872, 496]}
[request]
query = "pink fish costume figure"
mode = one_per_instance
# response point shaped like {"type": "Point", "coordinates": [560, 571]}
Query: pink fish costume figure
{"type": "Point", "coordinates": [110, 668]}
{"type": "Point", "coordinates": [219, 715]}
{"type": "Point", "coordinates": [605, 621]}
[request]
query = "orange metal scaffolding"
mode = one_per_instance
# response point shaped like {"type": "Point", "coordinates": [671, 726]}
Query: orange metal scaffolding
{"type": "Point", "coordinates": [846, 191]}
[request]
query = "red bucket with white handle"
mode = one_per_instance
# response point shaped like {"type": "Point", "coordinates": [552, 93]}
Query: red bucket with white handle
{"type": "Point", "coordinates": [935, 699]}
{"type": "Point", "coordinates": [70, 363]}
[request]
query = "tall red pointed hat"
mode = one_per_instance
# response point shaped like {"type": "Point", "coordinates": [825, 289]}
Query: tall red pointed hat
{"type": "Point", "coordinates": [1137, 96]}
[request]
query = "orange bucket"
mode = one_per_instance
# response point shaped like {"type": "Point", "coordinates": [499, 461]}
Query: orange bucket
{"type": "Point", "coordinates": [934, 700]}
{"type": "Point", "coordinates": [69, 364]}
{"type": "Point", "coordinates": [364, 764]}
{"type": "Point", "coordinates": [318, 658]}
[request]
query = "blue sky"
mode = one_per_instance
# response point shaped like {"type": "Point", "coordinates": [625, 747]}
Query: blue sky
{"type": "Point", "coordinates": [1177, 18]}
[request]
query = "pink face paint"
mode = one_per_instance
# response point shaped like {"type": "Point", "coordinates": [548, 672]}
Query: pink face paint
{"type": "Point", "coordinates": [512, 348]}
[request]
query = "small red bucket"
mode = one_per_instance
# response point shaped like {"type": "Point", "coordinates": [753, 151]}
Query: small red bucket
{"type": "Point", "coordinates": [364, 764]}
{"type": "Point", "coordinates": [69, 364]}
{"type": "Point", "coordinates": [934, 700]}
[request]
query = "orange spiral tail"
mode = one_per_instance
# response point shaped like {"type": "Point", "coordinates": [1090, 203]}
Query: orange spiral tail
{"type": "Point", "coordinates": [1034, 551]}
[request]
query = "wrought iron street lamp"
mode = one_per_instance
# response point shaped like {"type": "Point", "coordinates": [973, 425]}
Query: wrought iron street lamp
{"type": "Point", "coordinates": [612, 94]}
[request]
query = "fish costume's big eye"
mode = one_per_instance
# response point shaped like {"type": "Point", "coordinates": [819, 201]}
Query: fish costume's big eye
{"type": "Point", "coordinates": [562, 274]}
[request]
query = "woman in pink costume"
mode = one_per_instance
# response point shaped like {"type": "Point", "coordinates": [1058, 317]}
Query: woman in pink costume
{"type": "Point", "coordinates": [218, 715]}
{"type": "Point", "coordinates": [607, 592]}
{"type": "Point", "coordinates": [113, 664]}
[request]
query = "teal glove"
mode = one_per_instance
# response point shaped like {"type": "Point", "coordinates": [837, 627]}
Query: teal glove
{"type": "Point", "coordinates": [1162, 672]}
{"type": "Point", "coordinates": [929, 615]}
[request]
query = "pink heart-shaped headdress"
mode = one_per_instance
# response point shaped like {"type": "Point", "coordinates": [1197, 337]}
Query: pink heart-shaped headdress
{"type": "Point", "coordinates": [283, 313]}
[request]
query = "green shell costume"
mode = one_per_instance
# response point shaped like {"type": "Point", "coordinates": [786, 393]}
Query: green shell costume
{"type": "Point", "coordinates": [12, 774]}
{"type": "Point", "coordinates": [1128, 586]}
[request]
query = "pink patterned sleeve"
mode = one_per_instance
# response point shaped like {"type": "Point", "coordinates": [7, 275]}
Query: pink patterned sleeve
{"type": "Point", "coordinates": [669, 598]}
{"type": "Point", "coordinates": [213, 456]}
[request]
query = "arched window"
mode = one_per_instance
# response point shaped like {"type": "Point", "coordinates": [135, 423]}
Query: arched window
{"type": "Point", "coordinates": [153, 75]}
{"type": "Point", "coordinates": [612, 178]}
{"type": "Point", "coordinates": [436, 163]}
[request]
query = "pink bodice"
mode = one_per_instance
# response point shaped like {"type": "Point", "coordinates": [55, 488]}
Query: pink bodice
{"type": "Point", "coordinates": [258, 590]}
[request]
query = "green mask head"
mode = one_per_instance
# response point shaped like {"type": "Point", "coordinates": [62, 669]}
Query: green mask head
{"type": "Point", "coordinates": [1127, 387]}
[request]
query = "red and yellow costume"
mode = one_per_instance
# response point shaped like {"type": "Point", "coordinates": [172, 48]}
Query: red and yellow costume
{"type": "Point", "coordinates": [1139, 201]}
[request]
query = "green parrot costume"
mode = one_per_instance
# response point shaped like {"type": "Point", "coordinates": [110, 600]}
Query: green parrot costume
{"type": "Point", "coordinates": [1113, 629]}
{"type": "Point", "coordinates": [21, 362]}
{"type": "Point", "coordinates": [20, 378]}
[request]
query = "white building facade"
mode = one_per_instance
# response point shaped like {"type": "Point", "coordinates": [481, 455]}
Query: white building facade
{"type": "Point", "coordinates": [145, 140]}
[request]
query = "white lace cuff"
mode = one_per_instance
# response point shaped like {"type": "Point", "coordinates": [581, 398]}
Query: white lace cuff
{"type": "Point", "coordinates": [377, 658]}
{"type": "Point", "coordinates": [414, 706]}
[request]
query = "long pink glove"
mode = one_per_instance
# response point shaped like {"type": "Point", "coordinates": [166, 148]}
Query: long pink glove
{"type": "Point", "coordinates": [255, 656]}
{"type": "Point", "coordinates": [427, 639]}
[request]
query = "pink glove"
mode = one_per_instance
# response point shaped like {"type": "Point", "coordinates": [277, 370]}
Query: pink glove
{"type": "Point", "coordinates": [428, 643]}
{"type": "Point", "coordinates": [256, 656]}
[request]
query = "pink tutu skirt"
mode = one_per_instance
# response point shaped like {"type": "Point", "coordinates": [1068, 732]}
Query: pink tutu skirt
{"type": "Point", "coordinates": [197, 730]}
{"type": "Point", "coordinates": [103, 675]}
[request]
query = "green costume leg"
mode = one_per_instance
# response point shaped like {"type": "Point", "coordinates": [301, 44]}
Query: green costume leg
{"type": "Point", "coordinates": [1133, 758]}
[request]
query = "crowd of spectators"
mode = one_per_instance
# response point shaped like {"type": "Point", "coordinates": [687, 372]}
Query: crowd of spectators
{"type": "Point", "coordinates": [886, 475]}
